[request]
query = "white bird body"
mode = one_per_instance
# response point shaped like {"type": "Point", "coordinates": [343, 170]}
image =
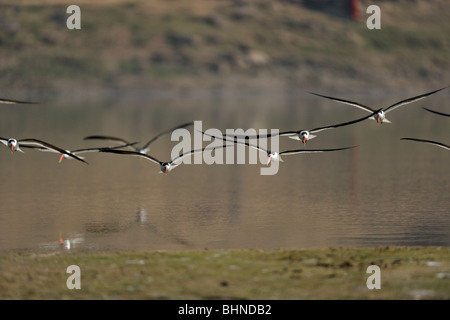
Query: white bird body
{"type": "Point", "coordinates": [12, 143]}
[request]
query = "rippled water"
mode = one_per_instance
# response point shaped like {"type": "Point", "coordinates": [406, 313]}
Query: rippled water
{"type": "Point", "coordinates": [384, 192]}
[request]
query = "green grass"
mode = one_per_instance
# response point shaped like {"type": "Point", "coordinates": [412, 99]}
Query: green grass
{"type": "Point", "coordinates": [118, 40]}
{"type": "Point", "coordinates": [288, 274]}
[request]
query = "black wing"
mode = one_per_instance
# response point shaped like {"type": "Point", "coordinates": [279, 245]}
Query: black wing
{"type": "Point", "coordinates": [98, 148]}
{"type": "Point", "coordinates": [166, 132]}
{"type": "Point", "coordinates": [341, 124]}
{"type": "Point", "coordinates": [239, 142]}
{"type": "Point", "coordinates": [9, 101]}
{"type": "Point", "coordinates": [4, 141]}
{"type": "Point", "coordinates": [439, 144]}
{"type": "Point", "coordinates": [24, 142]}
{"type": "Point", "coordinates": [437, 112]}
{"type": "Point", "coordinates": [288, 152]}
{"type": "Point", "coordinates": [110, 138]}
{"type": "Point", "coordinates": [410, 100]}
{"type": "Point", "coordinates": [261, 136]}
{"type": "Point", "coordinates": [355, 104]}
{"type": "Point", "coordinates": [258, 136]}
{"type": "Point", "coordinates": [131, 153]}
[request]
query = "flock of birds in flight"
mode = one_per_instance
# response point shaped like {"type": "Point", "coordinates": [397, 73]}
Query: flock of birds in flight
{"type": "Point", "coordinates": [302, 135]}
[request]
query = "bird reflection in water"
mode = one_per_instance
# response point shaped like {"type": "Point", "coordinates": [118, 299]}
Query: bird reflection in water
{"type": "Point", "coordinates": [141, 215]}
{"type": "Point", "coordinates": [71, 242]}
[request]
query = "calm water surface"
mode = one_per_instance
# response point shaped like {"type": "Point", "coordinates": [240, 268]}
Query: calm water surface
{"type": "Point", "coordinates": [384, 192]}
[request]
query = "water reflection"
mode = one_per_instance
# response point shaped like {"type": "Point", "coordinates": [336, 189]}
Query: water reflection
{"type": "Point", "coordinates": [385, 192]}
{"type": "Point", "coordinates": [66, 242]}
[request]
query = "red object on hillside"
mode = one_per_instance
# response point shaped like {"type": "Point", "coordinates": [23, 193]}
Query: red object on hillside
{"type": "Point", "coordinates": [354, 9]}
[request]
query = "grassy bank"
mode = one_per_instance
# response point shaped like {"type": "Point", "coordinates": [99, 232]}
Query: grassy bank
{"type": "Point", "coordinates": [332, 273]}
{"type": "Point", "coordinates": [231, 44]}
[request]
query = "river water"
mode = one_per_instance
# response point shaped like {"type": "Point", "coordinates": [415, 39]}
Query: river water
{"type": "Point", "coordinates": [384, 192]}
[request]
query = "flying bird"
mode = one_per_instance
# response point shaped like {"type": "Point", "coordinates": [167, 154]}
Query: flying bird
{"type": "Point", "coordinates": [146, 147]}
{"type": "Point", "coordinates": [437, 112]}
{"type": "Point", "coordinates": [439, 144]}
{"type": "Point", "coordinates": [276, 156]}
{"type": "Point", "coordinates": [166, 167]}
{"type": "Point", "coordinates": [380, 114]}
{"type": "Point", "coordinates": [303, 135]}
{"type": "Point", "coordinates": [15, 144]}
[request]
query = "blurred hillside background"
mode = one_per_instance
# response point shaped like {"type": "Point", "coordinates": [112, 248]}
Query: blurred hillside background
{"type": "Point", "coordinates": [227, 44]}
